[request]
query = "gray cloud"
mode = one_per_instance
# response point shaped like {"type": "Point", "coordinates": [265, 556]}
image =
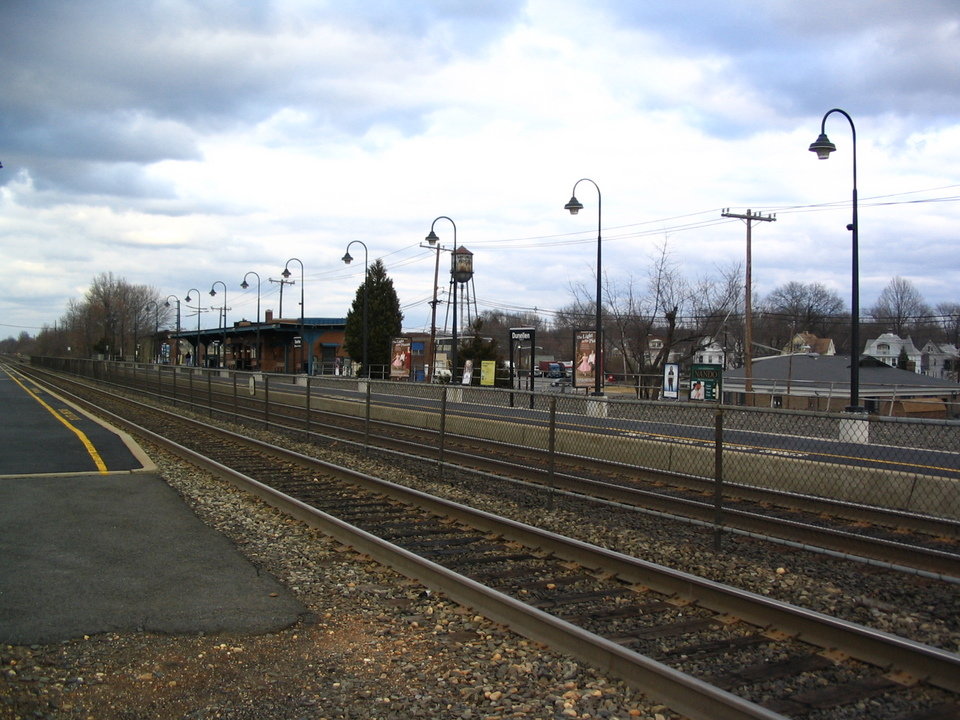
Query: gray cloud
{"type": "Point", "coordinates": [803, 56]}
{"type": "Point", "coordinates": [138, 83]}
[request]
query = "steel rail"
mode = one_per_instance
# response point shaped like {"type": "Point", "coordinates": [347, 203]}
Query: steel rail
{"type": "Point", "coordinates": [681, 692]}
{"type": "Point", "coordinates": [899, 555]}
{"type": "Point", "coordinates": [874, 515]}
{"type": "Point", "coordinates": [934, 665]}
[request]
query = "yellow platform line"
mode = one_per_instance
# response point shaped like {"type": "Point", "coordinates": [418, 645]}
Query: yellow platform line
{"type": "Point", "coordinates": [91, 450]}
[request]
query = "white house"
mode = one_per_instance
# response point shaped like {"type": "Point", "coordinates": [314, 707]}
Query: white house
{"type": "Point", "coordinates": [888, 348]}
{"type": "Point", "coordinates": [709, 351]}
{"type": "Point", "coordinates": [940, 360]}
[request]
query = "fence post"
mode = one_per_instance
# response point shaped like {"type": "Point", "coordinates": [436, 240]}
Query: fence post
{"type": "Point", "coordinates": [718, 479]}
{"type": "Point", "coordinates": [209, 394]}
{"type": "Point", "coordinates": [366, 421]}
{"type": "Point", "coordinates": [307, 407]}
{"type": "Point", "coordinates": [443, 425]}
{"type": "Point", "coordinates": [266, 402]}
{"type": "Point", "coordinates": [552, 450]}
{"type": "Point", "coordinates": [236, 402]}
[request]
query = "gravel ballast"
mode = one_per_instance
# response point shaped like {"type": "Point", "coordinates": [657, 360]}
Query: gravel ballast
{"type": "Point", "coordinates": [377, 645]}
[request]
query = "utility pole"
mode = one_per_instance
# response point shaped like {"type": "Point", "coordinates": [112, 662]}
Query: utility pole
{"type": "Point", "coordinates": [748, 300]}
{"type": "Point", "coordinates": [282, 281]}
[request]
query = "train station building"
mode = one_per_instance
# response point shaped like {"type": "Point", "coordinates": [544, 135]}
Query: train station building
{"type": "Point", "coordinates": [309, 345]}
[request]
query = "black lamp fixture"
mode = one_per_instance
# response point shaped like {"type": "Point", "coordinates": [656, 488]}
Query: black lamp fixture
{"type": "Point", "coordinates": [434, 242]}
{"type": "Point", "coordinates": [196, 354]}
{"type": "Point", "coordinates": [575, 206]}
{"type": "Point", "coordinates": [176, 345]}
{"type": "Point", "coordinates": [223, 331]}
{"type": "Point", "coordinates": [286, 274]}
{"type": "Point", "coordinates": [347, 259]}
{"type": "Point", "coordinates": [823, 147]}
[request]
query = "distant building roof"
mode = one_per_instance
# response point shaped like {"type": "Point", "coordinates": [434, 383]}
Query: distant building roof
{"type": "Point", "coordinates": [809, 374]}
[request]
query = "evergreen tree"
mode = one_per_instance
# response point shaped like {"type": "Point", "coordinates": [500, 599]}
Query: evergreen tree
{"type": "Point", "coordinates": [478, 348]}
{"type": "Point", "coordinates": [384, 319]}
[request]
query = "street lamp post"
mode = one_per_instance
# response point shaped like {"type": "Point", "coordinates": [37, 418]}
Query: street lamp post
{"type": "Point", "coordinates": [245, 285]}
{"type": "Point", "coordinates": [223, 331]}
{"type": "Point", "coordinates": [434, 241]}
{"type": "Point", "coordinates": [347, 259]}
{"type": "Point", "coordinates": [823, 147]}
{"type": "Point", "coordinates": [176, 346]}
{"type": "Point", "coordinates": [156, 327]}
{"type": "Point", "coordinates": [575, 206]}
{"type": "Point", "coordinates": [303, 340]}
{"type": "Point", "coordinates": [196, 354]}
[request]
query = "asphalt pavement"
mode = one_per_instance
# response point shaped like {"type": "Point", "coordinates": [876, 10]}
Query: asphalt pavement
{"type": "Point", "coordinates": [90, 546]}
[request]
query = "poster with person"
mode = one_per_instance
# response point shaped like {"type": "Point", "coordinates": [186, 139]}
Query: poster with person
{"type": "Point", "coordinates": [585, 358]}
{"type": "Point", "coordinates": [671, 381]}
{"type": "Point", "coordinates": [705, 382]}
{"type": "Point", "coordinates": [400, 358]}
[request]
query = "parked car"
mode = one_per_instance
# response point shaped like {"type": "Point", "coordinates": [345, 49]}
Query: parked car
{"type": "Point", "coordinates": [556, 371]}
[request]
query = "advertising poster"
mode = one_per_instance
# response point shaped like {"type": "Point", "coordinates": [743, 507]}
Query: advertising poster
{"type": "Point", "coordinates": [467, 373]}
{"type": "Point", "coordinates": [488, 372]}
{"type": "Point", "coordinates": [671, 381]}
{"type": "Point", "coordinates": [705, 382]}
{"type": "Point", "coordinates": [585, 358]}
{"type": "Point", "coordinates": [400, 358]}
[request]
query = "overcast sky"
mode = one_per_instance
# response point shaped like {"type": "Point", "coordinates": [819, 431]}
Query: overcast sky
{"type": "Point", "coordinates": [176, 143]}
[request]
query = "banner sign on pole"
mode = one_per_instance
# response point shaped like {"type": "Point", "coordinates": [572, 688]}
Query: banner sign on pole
{"type": "Point", "coordinates": [584, 358]}
{"type": "Point", "coordinates": [400, 358]}
{"type": "Point", "coordinates": [705, 382]}
{"type": "Point", "coordinates": [671, 381]}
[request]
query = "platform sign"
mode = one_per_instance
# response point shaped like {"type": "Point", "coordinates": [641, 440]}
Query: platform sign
{"type": "Point", "coordinates": [523, 338]}
{"type": "Point", "coordinates": [705, 382]}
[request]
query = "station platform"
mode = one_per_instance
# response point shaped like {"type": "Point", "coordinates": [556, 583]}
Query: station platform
{"type": "Point", "coordinates": [42, 433]}
{"type": "Point", "coordinates": [89, 548]}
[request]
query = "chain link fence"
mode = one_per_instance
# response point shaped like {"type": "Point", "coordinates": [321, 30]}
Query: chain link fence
{"type": "Point", "coordinates": [899, 463]}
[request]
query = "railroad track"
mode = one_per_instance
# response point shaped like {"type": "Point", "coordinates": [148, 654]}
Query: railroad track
{"type": "Point", "coordinates": [902, 540]}
{"type": "Point", "coordinates": [704, 649]}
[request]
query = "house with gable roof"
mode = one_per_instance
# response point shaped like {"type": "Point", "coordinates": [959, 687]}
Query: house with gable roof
{"type": "Point", "coordinates": [894, 351]}
{"type": "Point", "coordinates": [940, 360]}
{"type": "Point", "coordinates": [807, 342]}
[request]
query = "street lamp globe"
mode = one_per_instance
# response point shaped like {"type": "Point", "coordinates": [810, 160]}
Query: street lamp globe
{"type": "Point", "coordinates": [822, 147]}
{"type": "Point", "coordinates": [574, 206]}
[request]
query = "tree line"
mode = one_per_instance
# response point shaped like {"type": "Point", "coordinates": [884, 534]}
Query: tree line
{"type": "Point", "coordinates": [644, 318]}
{"type": "Point", "coordinates": [649, 320]}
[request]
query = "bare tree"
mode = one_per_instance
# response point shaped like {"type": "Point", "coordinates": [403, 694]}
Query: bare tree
{"type": "Point", "coordinates": [801, 307]}
{"type": "Point", "coordinates": [948, 318]}
{"type": "Point", "coordinates": [899, 307]}
{"type": "Point", "coordinates": [112, 318]}
{"type": "Point", "coordinates": [645, 322]}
